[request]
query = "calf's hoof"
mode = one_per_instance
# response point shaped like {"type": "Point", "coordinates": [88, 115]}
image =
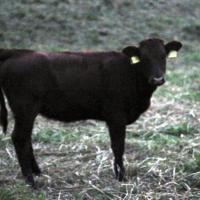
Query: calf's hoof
{"type": "Point", "coordinates": [121, 177]}
{"type": "Point", "coordinates": [30, 180]}
{"type": "Point", "coordinates": [119, 173]}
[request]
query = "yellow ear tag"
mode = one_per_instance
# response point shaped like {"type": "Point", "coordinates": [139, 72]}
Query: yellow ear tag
{"type": "Point", "coordinates": [135, 59]}
{"type": "Point", "coordinates": [172, 54]}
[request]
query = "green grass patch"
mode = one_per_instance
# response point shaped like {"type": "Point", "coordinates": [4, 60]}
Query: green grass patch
{"type": "Point", "coordinates": [52, 136]}
{"type": "Point", "coordinates": [191, 57]}
{"type": "Point", "coordinates": [182, 83]}
{"type": "Point", "coordinates": [84, 133]}
{"type": "Point", "coordinates": [193, 96]}
{"type": "Point", "coordinates": [157, 142]}
{"type": "Point", "coordinates": [192, 165]}
{"type": "Point", "coordinates": [6, 194]}
{"type": "Point", "coordinates": [180, 129]}
{"type": "Point", "coordinates": [20, 191]}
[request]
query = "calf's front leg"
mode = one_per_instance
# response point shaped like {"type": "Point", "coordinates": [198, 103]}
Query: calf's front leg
{"type": "Point", "coordinates": [117, 130]}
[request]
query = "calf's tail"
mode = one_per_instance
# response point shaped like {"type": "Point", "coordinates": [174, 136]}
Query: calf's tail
{"type": "Point", "coordinates": [3, 113]}
{"type": "Point", "coordinates": [4, 55]}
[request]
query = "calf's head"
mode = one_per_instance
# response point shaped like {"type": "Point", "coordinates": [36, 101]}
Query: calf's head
{"type": "Point", "coordinates": [151, 56]}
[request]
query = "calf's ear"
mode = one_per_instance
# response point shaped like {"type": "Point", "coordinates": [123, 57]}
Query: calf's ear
{"type": "Point", "coordinates": [172, 48]}
{"type": "Point", "coordinates": [133, 53]}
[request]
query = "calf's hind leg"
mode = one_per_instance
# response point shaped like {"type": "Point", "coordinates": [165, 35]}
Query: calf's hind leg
{"type": "Point", "coordinates": [35, 168]}
{"type": "Point", "coordinates": [21, 138]}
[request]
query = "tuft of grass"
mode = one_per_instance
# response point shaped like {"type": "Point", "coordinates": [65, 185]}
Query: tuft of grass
{"type": "Point", "coordinates": [20, 191]}
{"type": "Point", "coordinates": [59, 136]}
{"type": "Point", "coordinates": [6, 194]}
{"type": "Point", "coordinates": [180, 130]}
{"type": "Point", "coordinates": [192, 57]}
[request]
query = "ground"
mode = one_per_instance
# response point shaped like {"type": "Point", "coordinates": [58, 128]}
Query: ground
{"type": "Point", "coordinates": [162, 148]}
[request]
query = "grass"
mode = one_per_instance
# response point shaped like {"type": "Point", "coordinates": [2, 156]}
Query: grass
{"type": "Point", "coordinates": [48, 135]}
{"type": "Point", "coordinates": [162, 156]}
{"type": "Point", "coordinates": [22, 191]}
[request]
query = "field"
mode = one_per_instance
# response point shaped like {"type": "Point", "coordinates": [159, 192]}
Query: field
{"type": "Point", "coordinates": [162, 156]}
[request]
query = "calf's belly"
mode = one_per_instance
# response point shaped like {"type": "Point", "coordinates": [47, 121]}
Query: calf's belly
{"type": "Point", "coordinates": [67, 110]}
